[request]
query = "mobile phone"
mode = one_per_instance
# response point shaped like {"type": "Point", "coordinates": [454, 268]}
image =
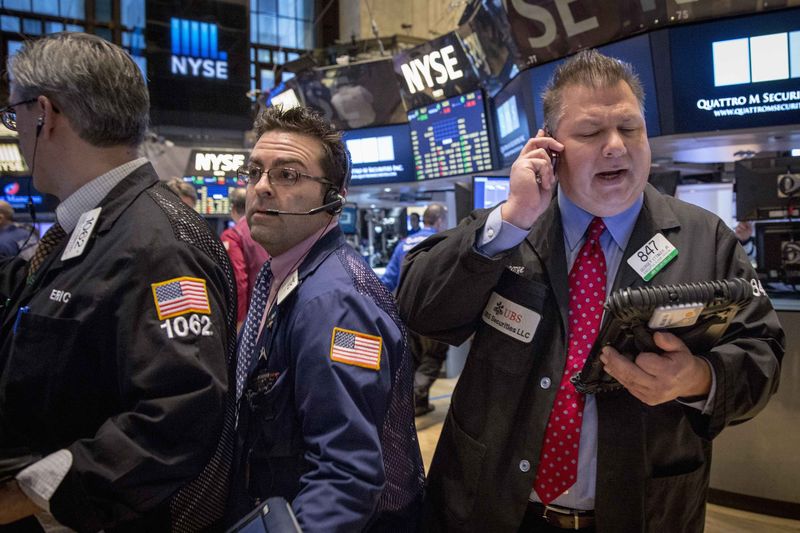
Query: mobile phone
{"type": "Point", "coordinates": [553, 155]}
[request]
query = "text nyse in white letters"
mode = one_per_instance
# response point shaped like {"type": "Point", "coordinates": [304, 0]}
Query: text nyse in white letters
{"type": "Point", "coordinates": [417, 72]}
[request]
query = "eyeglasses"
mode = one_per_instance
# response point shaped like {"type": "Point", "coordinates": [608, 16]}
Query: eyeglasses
{"type": "Point", "coordinates": [8, 115]}
{"type": "Point", "coordinates": [278, 176]}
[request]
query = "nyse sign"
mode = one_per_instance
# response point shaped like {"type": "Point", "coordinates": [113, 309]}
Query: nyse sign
{"type": "Point", "coordinates": [207, 68]}
{"type": "Point", "coordinates": [195, 50]}
{"type": "Point", "coordinates": [204, 163]}
{"type": "Point", "coordinates": [418, 72]}
{"type": "Point", "coordinates": [544, 30]}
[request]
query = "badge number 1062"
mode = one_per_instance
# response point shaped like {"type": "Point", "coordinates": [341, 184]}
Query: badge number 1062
{"type": "Point", "coordinates": [181, 327]}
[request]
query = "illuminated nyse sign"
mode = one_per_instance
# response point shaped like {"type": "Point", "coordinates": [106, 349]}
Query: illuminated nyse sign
{"type": "Point", "coordinates": [205, 163]}
{"type": "Point", "coordinates": [750, 60]}
{"type": "Point", "coordinates": [418, 75]}
{"type": "Point", "coordinates": [195, 50]}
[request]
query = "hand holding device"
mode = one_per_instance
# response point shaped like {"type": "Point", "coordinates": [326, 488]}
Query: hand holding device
{"type": "Point", "coordinates": [532, 181]}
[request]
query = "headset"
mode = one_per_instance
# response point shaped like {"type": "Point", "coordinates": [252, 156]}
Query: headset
{"type": "Point", "coordinates": [332, 202]}
{"type": "Point", "coordinates": [39, 125]}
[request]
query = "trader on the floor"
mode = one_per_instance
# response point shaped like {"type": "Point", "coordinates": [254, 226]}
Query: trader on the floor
{"type": "Point", "coordinates": [429, 355]}
{"type": "Point", "coordinates": [520, 449]}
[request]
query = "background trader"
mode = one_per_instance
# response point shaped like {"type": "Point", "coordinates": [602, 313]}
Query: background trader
{"type": "Point", "coordinates": [115, 337]}
{"type": "Point", "coordinates": [246, 255]}
{"type": "Point", "coordinates": [429, 355]}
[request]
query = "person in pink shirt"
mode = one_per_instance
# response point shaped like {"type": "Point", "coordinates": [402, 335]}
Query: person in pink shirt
{"type": "Point", "coordinates": [246, 255]}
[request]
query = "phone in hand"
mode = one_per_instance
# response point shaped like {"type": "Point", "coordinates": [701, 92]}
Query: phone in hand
{"type": "Point", "coordinates": [553, 155]}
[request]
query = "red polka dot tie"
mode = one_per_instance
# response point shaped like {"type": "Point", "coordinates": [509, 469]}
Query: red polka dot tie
{"type": "Point", "coordinates": [558, 461]}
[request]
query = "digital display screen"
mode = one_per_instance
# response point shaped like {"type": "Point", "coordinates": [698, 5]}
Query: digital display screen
{"type": "Point", "coordinates": [745, 72]}
{"type": "Point", "coordinates": [15, 192]}
{"type": "Point", "coordinates": [347, 219]}
{"type": "Point", "coordinates": [514, 119]}
{"type": "Point", "coordinates": [197, 50]}
{"type": "Point", "coordinates": [450, 137]}
{"type": "Point", "coordinates": [380, 155]}
{"type": "Point", "coordinates": [488, 191]}
{"type": "Point", "coordinates": [212, 194]}
{"type": "Point", "coordinates": [354, 96]}
{"type": "Point", "coordinates": [635, 51]}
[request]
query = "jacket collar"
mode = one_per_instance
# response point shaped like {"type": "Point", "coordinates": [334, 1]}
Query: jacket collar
{"type": "Point", "coordinates": [656, 216]}
{"type": "Point", "coordinates": [113, 205]}
{"type": "Point", "coordinates": [547, 240]}
{"type": "Point", "coordinates": [327, 244]}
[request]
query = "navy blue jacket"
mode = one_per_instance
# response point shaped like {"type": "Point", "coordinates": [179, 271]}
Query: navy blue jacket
{"type": "Point", "coordinates": [391, 278]}
{"type": "Point", "coordinates": [336, 439]}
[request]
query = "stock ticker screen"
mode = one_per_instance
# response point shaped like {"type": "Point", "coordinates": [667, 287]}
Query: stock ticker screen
{"type": "Point", "coordinates": [212, 194]}
{"type": "Point", "coordinates": [450, 137]}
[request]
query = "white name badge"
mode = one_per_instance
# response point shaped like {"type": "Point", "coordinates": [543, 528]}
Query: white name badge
{"type": "Point", "coordinates": [648, 260]}
{"type": "Point", "coordinates": [80, 236]}
{"type": "Point", "coordinates": [288, 285]}
{"type": "Point", "coordinates": [510, 318]}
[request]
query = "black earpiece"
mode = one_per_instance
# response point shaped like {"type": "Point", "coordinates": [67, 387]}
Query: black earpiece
{"type": "Point", "coordinates": [334, 201]}
{"type": "Point", "coordinates": [39, 125]}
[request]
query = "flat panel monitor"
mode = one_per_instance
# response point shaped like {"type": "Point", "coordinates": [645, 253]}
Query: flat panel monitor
{"type": "Point", "coordinates": [380, 155]}
{"type": "Point", "coordinates": [450, 137]}
{"type": "Point", "coordinates": [348, 219]}
{"type": "Point", "coordinates": [778, 250]}
{"type": "Point", "coordinates": [15, 190]}
{"type": "Point", "coordinates": [212, 194]}
{"type": "Point", "coordinates": [635, 51]}
{"type": "Point", "coordinates": [736, 73]}
{"type": "Point", "coordinates": [757, 193]}
{"type": "Point", "coordinates": [515, 122]}
{"type": "Point", "coordinates": [714, 197]}
{"type": "Point", "coordinates": [354, 96]}
{"type": "Point", "coordinates": [488, 191]}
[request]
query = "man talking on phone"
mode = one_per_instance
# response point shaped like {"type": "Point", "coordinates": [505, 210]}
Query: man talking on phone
{"type": "Point", "coordinates": [324, 377]}
{"type": "Point", "coordinates": [521, 450]}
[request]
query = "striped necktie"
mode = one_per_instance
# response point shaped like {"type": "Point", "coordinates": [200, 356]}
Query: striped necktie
{"type": "Point", "coordinates": [245, 354]}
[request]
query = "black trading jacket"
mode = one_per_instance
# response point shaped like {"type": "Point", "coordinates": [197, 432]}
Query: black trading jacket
{"type": "Point", "coordinates": [139, 401]}
{"type": "Point", "coordinates": [652, 462]}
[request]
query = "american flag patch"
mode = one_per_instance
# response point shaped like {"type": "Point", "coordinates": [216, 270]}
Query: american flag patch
{"type": "Point", "coordinates": [354, 348]}
{"type": "Point", "coordinates": [179, 296]}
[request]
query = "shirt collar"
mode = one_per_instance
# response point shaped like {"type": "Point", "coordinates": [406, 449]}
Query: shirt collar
{"type": "Point", "coordinates": [575, 221]}
{"type": "Point", "coordinates": [89, 195]}
{"type": "Point", "coordinates": [282, 265]}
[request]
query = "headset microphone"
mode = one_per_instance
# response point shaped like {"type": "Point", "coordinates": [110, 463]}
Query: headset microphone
{"type": "Point", "coordinates": [333, 207]}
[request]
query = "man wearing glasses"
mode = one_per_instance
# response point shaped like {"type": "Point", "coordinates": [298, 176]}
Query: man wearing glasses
{"type": "Point", "coordinates": [324, 378]}
{"type": "Point", "coordinates": [114, 337]}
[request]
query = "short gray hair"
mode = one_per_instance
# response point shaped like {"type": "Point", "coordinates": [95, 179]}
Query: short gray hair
{"type": "Point", "coordinates": [93, 82]}
{"type": "Point", "coordinates": [588, 68]}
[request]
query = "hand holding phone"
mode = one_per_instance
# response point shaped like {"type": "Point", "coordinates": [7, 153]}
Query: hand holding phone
{"type": "Point", "coordinates": [532, 181]}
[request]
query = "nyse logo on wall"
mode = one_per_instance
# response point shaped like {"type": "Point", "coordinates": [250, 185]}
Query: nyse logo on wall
{"type": "Point", "coordinates": [195, 50]}
{"type": "Point", "coordinates": [435, 68]}
{"type": "Point", "coordinates": [433, 71]}
{"type": "Point", "coordinates": [216, 163]}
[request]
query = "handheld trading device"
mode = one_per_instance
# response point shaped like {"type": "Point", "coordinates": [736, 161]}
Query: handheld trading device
{"type": "Point", "coordinates": [697, 313]}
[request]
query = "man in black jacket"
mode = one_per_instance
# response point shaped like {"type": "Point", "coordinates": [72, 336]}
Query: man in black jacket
{"type": "Point", "coordinates": [116, 336]}
{"type": "Point", "coordinates": [521, 450]}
